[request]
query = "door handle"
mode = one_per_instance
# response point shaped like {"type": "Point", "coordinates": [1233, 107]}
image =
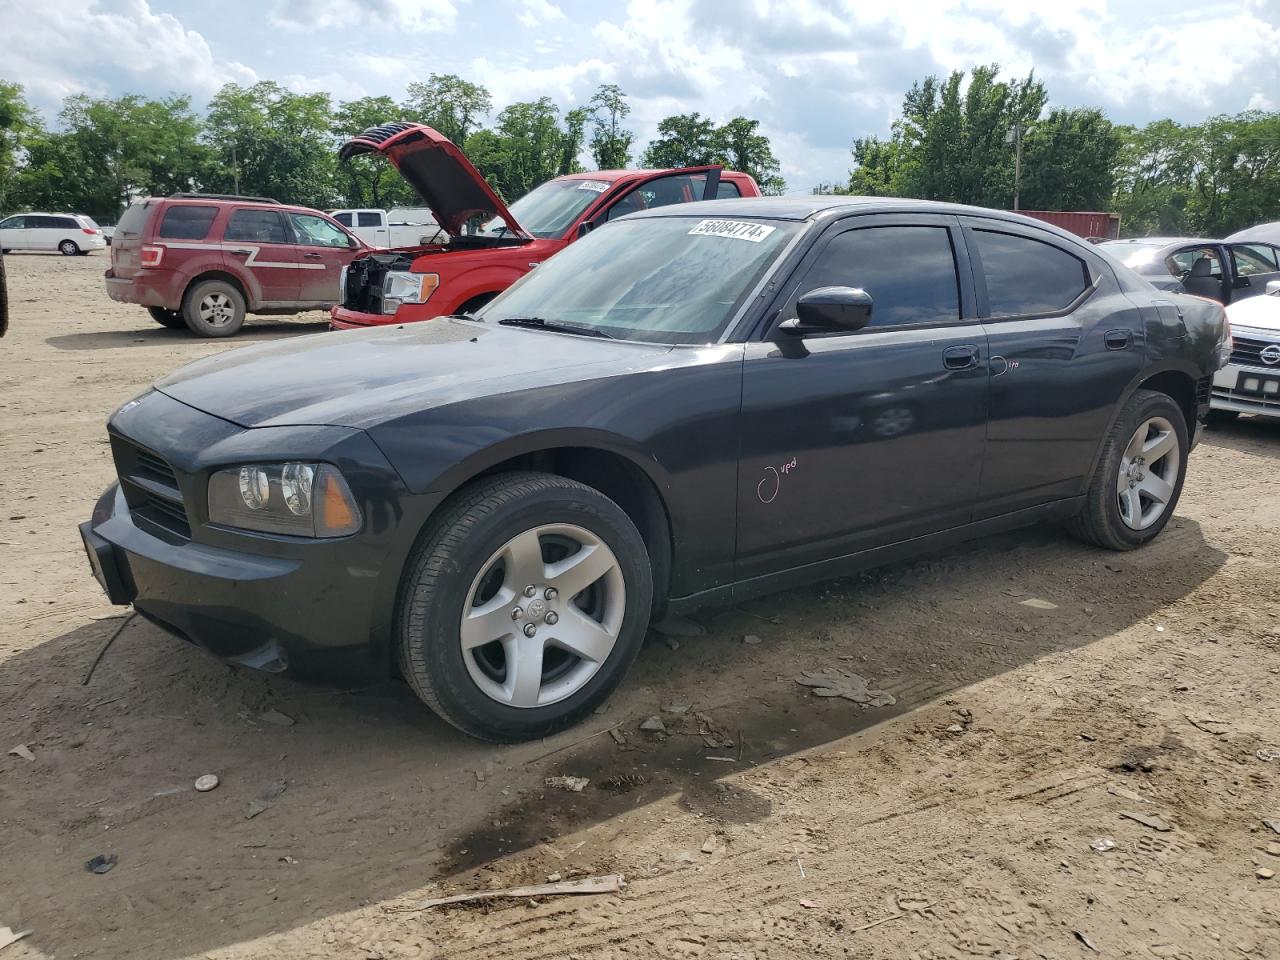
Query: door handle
{"type": "Point", "coordinates": [240, 253]}
{"type": "Point", "coordinates": [960, 358]}
{"type": "Point", "coordinates": [312, 256]}
{"type": "Point", "coordinates": [1117, 339]}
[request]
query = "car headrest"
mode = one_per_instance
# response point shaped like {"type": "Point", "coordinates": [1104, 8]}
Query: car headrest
{"type": "Point", "coordinates": [1203, 267]}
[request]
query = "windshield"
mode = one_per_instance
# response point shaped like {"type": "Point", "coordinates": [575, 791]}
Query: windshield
{"type": "Point", "coordinates": [656, 279]}
{"type": "Point", "coordinates": [1132, 255]}
{"type": "Point", "coordinates": [548, 210]}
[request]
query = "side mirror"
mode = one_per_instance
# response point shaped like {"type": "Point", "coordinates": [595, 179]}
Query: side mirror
{"type": "Point", "coordinates": [1273, 288]}
{"type": "Point", "coordinates": [830, 310]}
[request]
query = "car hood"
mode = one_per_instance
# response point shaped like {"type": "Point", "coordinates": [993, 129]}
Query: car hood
{"type": "Point", "coordinates": [1260, 313]}
{"type": "Point", "coordinates": [364, 378]}
{"type": "Point", "coordinates": [438, 171]}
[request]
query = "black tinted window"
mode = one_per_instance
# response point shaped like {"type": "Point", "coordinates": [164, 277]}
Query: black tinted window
{"type": "Point", "coordinates": [13, 223]}
{"type": "Point", "coordinates": [727, 189]}
{"type": "Point", "coordinates": [343, 218]}
{"type": "Point", "coordinates": [368, 220]}
{"type": "Point", "coordinates": [910, 273]}
{"type": "Point", "coordinates": [1026, 276]}
{"type": "Point", "coordinates": [263, 226]}
{"type": "Point", "coordinates": [187, 223]}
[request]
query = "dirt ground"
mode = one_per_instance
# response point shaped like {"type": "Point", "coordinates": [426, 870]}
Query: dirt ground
{"type": "Point", "coordinates": [766, 823]}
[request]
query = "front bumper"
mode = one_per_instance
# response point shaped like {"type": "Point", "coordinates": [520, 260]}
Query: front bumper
{"type": "Point", "coordinates": [341, 318]}
{"type": "Point", "coordinates": [1247, 389]}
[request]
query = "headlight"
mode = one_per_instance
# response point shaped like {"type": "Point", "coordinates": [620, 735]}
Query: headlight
{"type": "Point", "coordinates": [301, 499]}
{"type": "Point", "coordinates": [400, 286]}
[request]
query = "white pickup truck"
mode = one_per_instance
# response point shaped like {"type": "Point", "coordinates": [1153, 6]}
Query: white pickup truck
{"type": "Point", "coordinates": [402, 227]}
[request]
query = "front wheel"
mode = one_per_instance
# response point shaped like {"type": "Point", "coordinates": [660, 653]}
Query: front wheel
{"type": "Point", "coordinates": [523, 606]}
{"type": "Point", "coordinates": [68, 248]}
{"type": "Point", "coordinates": [1138, 480]}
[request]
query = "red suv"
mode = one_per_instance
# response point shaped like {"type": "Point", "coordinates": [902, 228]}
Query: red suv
{"type": "Point", "coordinates": [489, 246]}
{"type": "Point", "coordinates": [206, 260]}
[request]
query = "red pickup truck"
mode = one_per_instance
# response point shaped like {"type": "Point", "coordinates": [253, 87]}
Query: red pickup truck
{"type": "Point", "coordinates": [489, 245]}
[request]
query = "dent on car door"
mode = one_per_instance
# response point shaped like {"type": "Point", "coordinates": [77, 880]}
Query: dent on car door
{"type": "Point", "coordinates": [1065, 342]}
{"type": "Point", "coordinates": [864, 438]}
{"type": "Point", "coordinates": [322, 251]}
{"type": "Point", "coordinates": [1254, 265]}
{"type": "Point", "coordinates": [258, 245]}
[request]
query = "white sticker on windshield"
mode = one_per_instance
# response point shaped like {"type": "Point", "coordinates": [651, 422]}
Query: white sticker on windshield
{"type": "Point", "coordinates": [734, 229]}
{"type": "Point", "coordinates": [595, 186]}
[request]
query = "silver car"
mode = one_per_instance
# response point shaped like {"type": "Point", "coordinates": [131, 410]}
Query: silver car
{"type": "Point", "coordinates": [1250, 382]}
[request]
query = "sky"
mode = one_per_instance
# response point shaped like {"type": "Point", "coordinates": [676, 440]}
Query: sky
{"type": "Point", "coordinates": [816, 73]}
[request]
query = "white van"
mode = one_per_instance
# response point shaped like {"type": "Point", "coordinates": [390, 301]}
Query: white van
{"type": "Point", "coordinates": [68, 233]}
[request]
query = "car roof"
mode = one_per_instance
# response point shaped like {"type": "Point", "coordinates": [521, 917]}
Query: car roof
{"type": "Point", "coordinates": [45, 213]}
{"type": "Point", "coordinates": [613, 176]}
{"type": "Point", "coordinates": [1166, 241]}
{"type": "Point", "coordinates": [244, 202]}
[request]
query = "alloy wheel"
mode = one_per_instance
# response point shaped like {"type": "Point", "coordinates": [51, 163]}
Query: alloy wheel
{"type": "Point", "coordinates": [542, 615]}
{"type": "Point", "coordinates": [217, 310]}
{"type": "Point", "coordinates": [1148, 472]}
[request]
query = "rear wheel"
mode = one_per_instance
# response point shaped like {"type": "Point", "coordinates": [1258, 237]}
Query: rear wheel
{"type": "Point", "coordinates": [214, 308]}
{"type": "Point", "coordinates": [1138, 480]}
{"type": "Point", "coordinates": [523, 606]}
{"type": "Point", "coordinates": [172, 319]}
{"type": "Point", "coordinates": [68, 248]}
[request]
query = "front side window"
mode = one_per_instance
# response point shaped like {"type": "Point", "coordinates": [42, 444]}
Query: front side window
{"type": "Point", "coordinates": [317, 232]}
{"type": "Point", "coordinates": [663, 192]}
{"type": "Point", "coordinates": [1027, 277]}
{"type": "Point", "coordinates": [187, 222]}
{"type": "Point", "coordinates": [661, 279]}
{"type": "Point", "coordinates": [258, 226]}
{"type": "Point", "coordinates": [12, 223]}
{"type": "Point", "coordinates": [909, 271]}
{"type": "Point", "coordinates": [1252, 259]}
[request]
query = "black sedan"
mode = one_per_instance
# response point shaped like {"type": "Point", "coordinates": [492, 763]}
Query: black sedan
{"type": "Point", "coordinates": [1214, 269]}
{"type": "Point", "coordinates": [694, 404]}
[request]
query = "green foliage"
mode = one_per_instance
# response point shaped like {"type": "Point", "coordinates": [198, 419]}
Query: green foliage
{"type": "Point", "coordinates": [691, 140]}
{"type": "Point", "coordinates": [18, 124]}
{"type": "Point", "coordinates": [527, 146]}
{"type": "Point", "coordinates": [368, 181]}
{"type": "Point", "coordinates": [610, 144]}
{"type": "Point", "coordinates": [272, 142]}
{"type": "Point", "coordinates": [448, 104]}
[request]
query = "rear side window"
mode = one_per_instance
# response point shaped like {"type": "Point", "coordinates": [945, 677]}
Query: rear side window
{"type": "Point", "coordinates": [1026, 276]}
{"type": "Point", "coordinates": [367, 220]}
{"type": "Point", "coordinates": [910, 273]}
{"type": "Point", "coordinates": [187, 222]}
{"type": "Point", "coordinates": [343, 218]}
{"type": "Point", "coordinates": [260, 226]}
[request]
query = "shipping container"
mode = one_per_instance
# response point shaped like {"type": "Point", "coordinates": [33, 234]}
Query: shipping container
{"type": "Point", "coordinates": [1082, 224]}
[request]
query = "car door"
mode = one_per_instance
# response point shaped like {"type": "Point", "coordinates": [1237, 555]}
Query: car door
{"type": "Point", "coordinates": [258, 245]}
{"type": "Point", "coordinates": [1065, 342]}
{"type": "Point", "coordinates": [1201, 271]}
{"type": "Point", "coordinates": [1254, 265]}
{"type": "Point", "coordinates": [372, 228]}
{"type": "Point", "coordinates": [13, 233]}
{"type": "Point", "coordinates": [683, 186]}
{"type": "Point", "coordinates": [855, 440]}
{"type": "Point", "coordinates": [42, 232]}
{"type": "Point", "coordinates": [323, 250]}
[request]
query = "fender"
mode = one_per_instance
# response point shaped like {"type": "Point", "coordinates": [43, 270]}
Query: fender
{"type": "Point", "coordinates": [487, 278]}
{"type": "Point", "coordinates": [1167, 365]}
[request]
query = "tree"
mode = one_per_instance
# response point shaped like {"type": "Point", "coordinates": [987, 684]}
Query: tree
{"type": "Point", "coordinates": [684, 140]}
{"type": "Point", "coordinates": [527, 146]}
{"type": "Point", "coordinates": [738, 146]}
{"type": "Point", "coordinates": [449, 104]}
{"type": "Point", "coordinates": [18, 123]}
{"type": "Point", "coordinates": [272, 142]}
{"type": "Point", "coordinates": [369, 181]}
{"type": "Point", "coordinates": [610, 144]}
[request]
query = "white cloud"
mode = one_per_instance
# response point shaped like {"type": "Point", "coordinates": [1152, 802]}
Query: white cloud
{"type": "Point", "coordinates": [420, 16]}
{"type": "Point", "coordinates": [538, 12]}
{"type": "Point", "coordinates": [84, 48]}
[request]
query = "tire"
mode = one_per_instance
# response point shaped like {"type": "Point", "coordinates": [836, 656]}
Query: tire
{"type": "Point", "coordinates": [1220, 418]}
{"type": "Point", "coordinates": [1153, 482]}
{"type": "Point", "coordinates": [214, 309]}
{"type": "Point", "coordinates": [172, 319]}
{"type": "Point", "coordinates": [469, 560]}
{"type": "Point", "coordinates": [69, 248]}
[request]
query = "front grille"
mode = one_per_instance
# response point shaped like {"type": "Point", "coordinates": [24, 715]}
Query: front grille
{"type": "Point", "coordinates": [151, 489]}
{"type": "Point", "coordinates": [1247, 351]}
{"type": "Point", "coordinates": [1263, 404]}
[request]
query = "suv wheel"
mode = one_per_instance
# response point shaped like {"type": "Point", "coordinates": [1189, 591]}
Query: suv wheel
{"type": "Point", "coordinates": [1138, 480]}
{"type": "Point", "coordinates": [172, 319]}
{"type": "Point", "coordinates": [214, 308]}
{"type": "Point", "coordinates": [68, 248]}
{"type": "Point", "coordinates": [523, 606]}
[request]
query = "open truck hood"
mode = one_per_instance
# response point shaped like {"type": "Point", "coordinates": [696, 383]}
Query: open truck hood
{"type": "Point", "coordinates": [438, 171]}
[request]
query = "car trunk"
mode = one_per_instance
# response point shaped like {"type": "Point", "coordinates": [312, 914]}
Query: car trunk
{"type": "Point", "coordinates": [126, 244]}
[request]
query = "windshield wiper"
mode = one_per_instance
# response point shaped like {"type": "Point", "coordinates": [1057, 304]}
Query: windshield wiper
{"type": "Point", "coordinates": [538, 323]}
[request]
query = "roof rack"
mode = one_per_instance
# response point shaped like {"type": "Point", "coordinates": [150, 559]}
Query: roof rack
{"type": "Point", "coordinates": [220, 196]}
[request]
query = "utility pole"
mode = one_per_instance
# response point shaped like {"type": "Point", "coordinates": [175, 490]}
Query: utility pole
{"type": "Point", "coordinates": [1014, 136]}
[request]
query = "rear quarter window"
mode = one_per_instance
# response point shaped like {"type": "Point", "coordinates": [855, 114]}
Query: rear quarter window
{"type": "Point", "coordinates": [1027, 277]}
{"type": "Point", "coordinates": [187, 222]}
